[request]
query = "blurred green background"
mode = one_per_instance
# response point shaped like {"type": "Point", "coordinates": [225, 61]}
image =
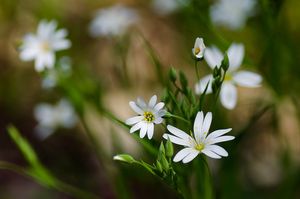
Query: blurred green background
{"type": "Point", "coordinates": [263, 162]}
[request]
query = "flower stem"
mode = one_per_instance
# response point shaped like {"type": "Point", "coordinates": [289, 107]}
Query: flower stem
{"type": "Point", "coordinates": [177, 117]}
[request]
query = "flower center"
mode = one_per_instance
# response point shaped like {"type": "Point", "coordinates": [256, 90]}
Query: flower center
{"type": "Point", "coordinates": [228, 77]}
{"type": "Point", "coordinates": [148, 116]}
{"type": "Point", "coordinates": [45, 46]}
{"type": "Point", "coordinates": [197, 50]}
{"type": "Point", "coordinates": [199, 147]}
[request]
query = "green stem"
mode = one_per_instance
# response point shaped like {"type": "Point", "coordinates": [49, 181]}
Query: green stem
{"type": "Point", "coordinates": [177, 117]}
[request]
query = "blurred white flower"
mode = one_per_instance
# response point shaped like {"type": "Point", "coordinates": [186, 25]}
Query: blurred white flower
{"type": "Point", "coordinates": [112, 21]}
{"type": "Point", "coordinates": [50, 117]}
{"type": "Point", "coordinates": [164, 7]}
{"type": "Point", "coordinates": [42, 46]}
{"type": "Point", "coordinates": [232, 14]}
{"type": "Point", "coordinates": [148, 115]}
{"type": "Point", "coordinates": [201, 142]}
{"type": "Point", "coordinates": [199, 48]}
{"type": "Point", "coordinates": [228, 92]}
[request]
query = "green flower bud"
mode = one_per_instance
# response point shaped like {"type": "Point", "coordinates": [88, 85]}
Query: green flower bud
{"type": "Point", "coordinates": [172, 74]}
{"type": "Point", "coordinates": [169, 148]}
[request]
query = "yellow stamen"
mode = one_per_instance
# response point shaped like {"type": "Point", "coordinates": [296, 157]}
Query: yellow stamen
{"type": "Point", "coordinates": [148, 116]}
{"type": "Point", "coordinates": [199, 147]}
{"type": "Point", "coordinates": [197, 50]}
{"type": "Point", "coordinates": [228, 77]}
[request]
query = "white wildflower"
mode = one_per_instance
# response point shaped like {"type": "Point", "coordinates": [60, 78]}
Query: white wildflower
{"type": "Point", "coordinates": [50, 117]}
{"type": "Point", "coordinates": [112, 21]}
{"type": "Point", "coordinates": [201, 141]}
{"type": "Point", "coordinates": [199, 48]}
{"type": "Point", "coordinates": [232, 14]}
{"type": "Point", "coordinates": [228, 92]}
{"type": "Point", "coordinates": [148, 115]}
{"type": "Point", "coordinates": [42, 46]}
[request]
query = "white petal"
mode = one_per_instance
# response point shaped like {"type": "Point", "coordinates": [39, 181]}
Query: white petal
{"type": "Point", "coordinates": [158, 120]}
{"type": "Point", "coordinates": [179, 133]}
{"type": "Point", "coordinates": [61, 44]}
{"type": "Point", "coordinates": [218, 150]}
{"type": "Point", "coordinates": [190, 156]}
{"type": "Point", "coordinates": [201, 85]}
{"type": "Point", "coordinates": [217, 133]}
{"type": "Point", "coordinates": [134, 120]}
{"type": "Point", "coordinates": [182, 154]}
{"type": "Point", "coordinates": [206, 123]}
{"type": "Point", "coordinates": [159, 106]}
{"type": "Point", "coordinates": [198, 126]}
{"type": "Point", "coordinates": [228, 95]}
{"type": "Point", "coordinates": [152, 101]}
{"type": "Point", "coordinates": [39, 63]}
{"type": "Point", "coordinates": [221, 139]}
{"type": "Point", "coordinates": [213, 57]}
{"type": "Point", "coordinates": [176, 140]}
{"type": "Point", "coordinates": [141, 103]}
{"type": "Point", "coordinates": [49, 60]}
{"type": "Point", "coordinates": [211, 154]}
{"type": "Point", "coordinates": [136, 108]}
{"type": "Point", "coordinates": [28, 53]}
{"type": "Point", "coordinates": [235, 55]}
{"type": "Point", "coordinates": [247, 79]}
{"type": "Point", "coordinates": [143, 130]}
{"type": "Point", "coordinates": [136, 127]}
{"type": "Point", "coordinates": [150, 130]}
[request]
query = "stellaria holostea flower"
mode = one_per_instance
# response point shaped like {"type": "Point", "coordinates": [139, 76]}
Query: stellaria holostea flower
{"type": "Point", "coordinates": [199, 48]}
{"type": "Point", "coordinates": [113, 21]}
{"type": "Point", "coordinates": [42, 46]}
{"type": "Point", "coordinates": [200, 141]}
{"type": "Point", "coordinates": [232, 14]}
{"type": "Point", "coordinates": [50, 117]}
{"type": "Point", "coordinates": [228, 92]}
{"type": "Point", "coordinates": [148, 115]}
{"type": "Point", "coordinates": [164, 7]}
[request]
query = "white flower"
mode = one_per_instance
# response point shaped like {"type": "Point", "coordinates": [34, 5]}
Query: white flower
{"type": "Point", "coordinates": [164, 7]}
{"type": "Point", "coordinates": [148, 115]}
{"type": "Point", "coordinates": [42, 46]}
{"type": "Point", "coordinates": [50, 117]}
{"type": "Point", "coordinates": [228, 92]}
{"type": "Point", "coordinates": [199, 48]}
{"type": "Point", "coordinates": [112, 21]}
{"type": "Point", "coordinates": [201, 142]}
{"type": "Point", "coordinates": [232, 13]}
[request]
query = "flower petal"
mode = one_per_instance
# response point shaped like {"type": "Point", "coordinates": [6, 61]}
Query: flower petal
{"type": "Point", "coordinates": [206, 123]}
{"type": "Point", "coordinates": [211, 154]}
{"type": "Point", "coordinates": [179, 133]}
{"type": "Point", "coordinates": [198, 126]}
{"type": "Point", "coordinates": [152, 101]}
{"type": "Point", "coordinates": [176, 140]}
{"type": "Point", "coordinates": [190, 156]}
{"type": "Point", "coordinates": [235, 55]}
{"type": "Point", "coordinates": [218, 150]}
{"type": "Point", "coordinates": [150, 130]}
{"type": "Point", "coordinates": [158, 120]}
{"type": "Point", "coordinates": [247, 79]}
{"type": "Point", "coordinates": [134, 120]}
{"type": "Point", "coordinates": [213, 57]}
{"type": "Point", "coordinates": [141, 103]}
{"type": "Point", "coordinates": [182, 154]}
{"type": "Point", "coordinates": [217, 133]}
{"type": "Point", "coordinates": [159, 106]}
{"type": "Point", "coordinates": [136, 108]}
{"type": "Point", "coordinates": [201, 85]}
{"type": "Point", "coordinates": [136, 127]}
{"type": "Point", "coordinates": [221, 139]}
{"type": "Point", "coordinates": [228, 95]}
{"type": "Point", "coordinates": [143, 130]}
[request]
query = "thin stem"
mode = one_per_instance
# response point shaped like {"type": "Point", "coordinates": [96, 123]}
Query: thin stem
{"type": "Point", "coordinates": [196, 69]}
{"type": "Point", "coordinates": [177, 117]}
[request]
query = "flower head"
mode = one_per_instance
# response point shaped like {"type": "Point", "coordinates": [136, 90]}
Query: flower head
{"type": "Point", "coordinates": [148, 115]}
{"type": "Point", "coordinates": [201, 141]}
{"type": "Point", "coordinates": [112, 21]}
{"type": "Point", "coordinates": [50, 117]}
{"type": "Point", "coordinates": [232, 13]}
{"type": "Point", "coordinates": [42, 46]}
{"type": "Point", "coordinates": [199, 48]}
{"type": "Point", "coordinates": [228, 92]}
